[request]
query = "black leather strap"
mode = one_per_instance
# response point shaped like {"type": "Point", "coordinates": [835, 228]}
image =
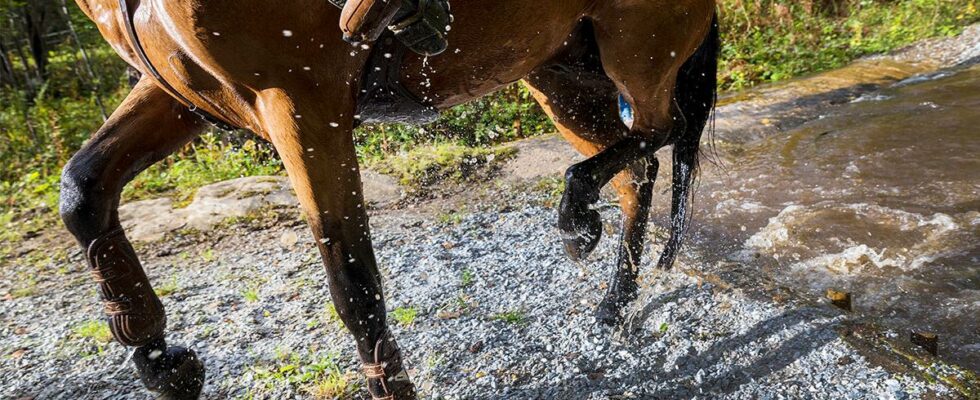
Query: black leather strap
{"type": "Point", "coordinates": [138, 47]}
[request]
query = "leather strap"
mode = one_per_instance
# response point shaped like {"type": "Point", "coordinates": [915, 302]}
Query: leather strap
{"type": "Point", "coordinates": [141, 53]}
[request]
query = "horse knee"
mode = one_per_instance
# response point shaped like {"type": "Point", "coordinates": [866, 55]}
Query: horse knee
{"type": "Point", "coordinates": [83, 205]}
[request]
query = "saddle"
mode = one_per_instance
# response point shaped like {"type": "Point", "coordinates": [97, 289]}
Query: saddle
{"type": "Point", "coordinates": [422, 25]}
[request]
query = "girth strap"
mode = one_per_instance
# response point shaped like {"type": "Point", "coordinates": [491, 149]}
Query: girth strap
{"type": "Point", "coordinates": [138, 47]}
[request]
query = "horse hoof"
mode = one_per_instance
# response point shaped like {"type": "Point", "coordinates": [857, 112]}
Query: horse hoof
{"type": "Point", "coordinates": [581, 235]}
{"type": "Point", "coordinates": [609, 313]}
{"type": "Point", "coordinates": [176, 373]}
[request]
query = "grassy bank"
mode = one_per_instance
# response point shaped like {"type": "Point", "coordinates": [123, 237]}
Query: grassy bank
{"type": "Point", "coordinates": [764, 41]}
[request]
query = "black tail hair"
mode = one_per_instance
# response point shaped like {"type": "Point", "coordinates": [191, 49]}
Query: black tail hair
{"type": "Point", "coordinates": [696, 93]}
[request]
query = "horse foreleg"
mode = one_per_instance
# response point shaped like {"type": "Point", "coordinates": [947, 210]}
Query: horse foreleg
{"type": "Point", "coordinates": [322, 164]}
{"type": "Point", "coordinates": [147, 126]}
{"type": "Point", "coordinates": [580, 225]}
{"type": "Point", "coordinates": [587, 115]}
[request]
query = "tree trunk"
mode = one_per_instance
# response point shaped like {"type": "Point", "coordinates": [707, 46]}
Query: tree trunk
{"type": "Point", "coordinates": [35, 18]}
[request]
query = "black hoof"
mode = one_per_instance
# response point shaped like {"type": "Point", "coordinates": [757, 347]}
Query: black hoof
{"type": "Point", "coordinates": [609, 313]}
{"type": "Point", "coordinates": [174, 372]}
{"type": "Point", "coordinates": [580, 233]}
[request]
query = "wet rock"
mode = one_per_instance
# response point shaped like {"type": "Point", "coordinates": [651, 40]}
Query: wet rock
{"type": "Point", "coordinates": [926, 340]}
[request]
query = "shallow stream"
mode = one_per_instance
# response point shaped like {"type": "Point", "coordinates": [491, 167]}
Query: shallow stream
{"type": "Point", "coordinates": [878, 197]}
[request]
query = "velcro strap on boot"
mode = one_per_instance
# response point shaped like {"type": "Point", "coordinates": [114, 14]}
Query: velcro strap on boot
{"type": "Point", "coordinates": [135, 312]}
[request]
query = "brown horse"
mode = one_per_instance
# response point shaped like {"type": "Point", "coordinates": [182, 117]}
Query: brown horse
{"type": "Point", "coordinates": [281, 70]}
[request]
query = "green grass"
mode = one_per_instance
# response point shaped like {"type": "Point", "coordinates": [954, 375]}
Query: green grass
{"type": "Point", "coordinates": [22, 292]}
{"type": "Point", "coordinates": [318, 376]}
{"type": "Point", "coordinates": [204, 162]}
{"type": "Point", "coordinates": [427, 165]}
{"type": "Point", "coordinates": [450, 218]}
{"type": "Point", "coordinates": [331, 316]}
{"type": "Point", "coordinates": [466, 278]}
{"type": "Point", "coordinates": [251, 294]}
{"type": "Point", "coordinates": [404, 316]}
{"type": "Point", "coordinates": [208, 255]}
{"type": "Point", "coordinates": [93, 330]}
{"type": "Point", "coordinates": [510, 317]}
{"type": "Point", "coordinates": [168, 288]}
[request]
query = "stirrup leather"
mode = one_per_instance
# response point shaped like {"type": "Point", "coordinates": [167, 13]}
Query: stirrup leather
{"type": "Point", "coordinates": [134, 312]}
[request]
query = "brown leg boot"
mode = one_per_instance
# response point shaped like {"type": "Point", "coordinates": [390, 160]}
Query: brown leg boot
{"type": "Point", "coordinates": [135, 313]}
{"type": "Point", "coordinates": [386, 376]}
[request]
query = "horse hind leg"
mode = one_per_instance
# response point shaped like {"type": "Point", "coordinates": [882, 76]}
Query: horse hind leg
{"type": "Point", "coordinates": [146, 127]}
{"type": "Point", "coordinates": [695, 91]}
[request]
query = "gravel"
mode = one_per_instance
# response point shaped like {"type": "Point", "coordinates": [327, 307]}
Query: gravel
{"type": "Point", "coordinates": [693, 339]}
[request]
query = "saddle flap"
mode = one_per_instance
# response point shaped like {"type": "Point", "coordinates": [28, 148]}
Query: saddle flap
{"type": "Point", "coordinates": [365, 20]}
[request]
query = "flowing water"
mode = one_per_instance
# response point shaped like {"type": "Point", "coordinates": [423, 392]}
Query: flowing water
{"type": "Point", "coordinates": [878, 197]}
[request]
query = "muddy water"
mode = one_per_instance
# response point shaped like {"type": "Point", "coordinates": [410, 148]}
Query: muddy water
{"type": "Point", "coordinates": [879, 197]}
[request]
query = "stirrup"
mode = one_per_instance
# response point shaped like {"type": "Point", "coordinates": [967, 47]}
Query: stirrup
{"type": "Point", "coordinates": [423, 26]}
{"type": "Point", "coordinates": [134, 312]}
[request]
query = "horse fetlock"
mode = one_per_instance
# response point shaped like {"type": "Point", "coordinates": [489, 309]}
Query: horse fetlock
{"type": "Point", "coordinates": [134, 312]}
{"type": "Point", "coordinates": [172, 371]}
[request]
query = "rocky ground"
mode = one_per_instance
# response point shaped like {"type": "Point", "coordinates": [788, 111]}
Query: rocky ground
{"type": "Point", "coordinates": [497, 315]}
{"type": "Point", "coordinates": [480, 295]}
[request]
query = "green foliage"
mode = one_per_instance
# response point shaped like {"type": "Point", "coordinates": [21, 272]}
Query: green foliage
{"type": "Point", "coordinates": [426, 165]}
{"type": "Point", "coordinates": [331, 316]}
{"type": "Point", "coordinates": [772, 40]}
{"type": "Point", "coordinates": [500, 117]}
{"type": "Point", "coordinates": [167, 288]}
{"type": "Point", "coordinates": [93, 331]}
{"type": "Point", "coordinates": [251, 294]}
{"type": "Point", "coordinates": [510, 317]}
{"type": "Point", "coordinates": [318, 376]}
{"type": "Point", "coordinates": [206, 161]}
{"type": "Point", "coordinates": [467, 278]}
{"type": "Point", "coordinates": [404, 316]}
{"type": "Point", "coordinates": [450, 218]}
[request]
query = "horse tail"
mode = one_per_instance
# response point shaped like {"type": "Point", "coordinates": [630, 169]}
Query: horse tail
{"type": "Point", "coordinates": [696, 93]}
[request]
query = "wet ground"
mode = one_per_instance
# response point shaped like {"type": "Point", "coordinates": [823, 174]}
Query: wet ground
{"type": "Point", "coordinates": [877, 196]}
